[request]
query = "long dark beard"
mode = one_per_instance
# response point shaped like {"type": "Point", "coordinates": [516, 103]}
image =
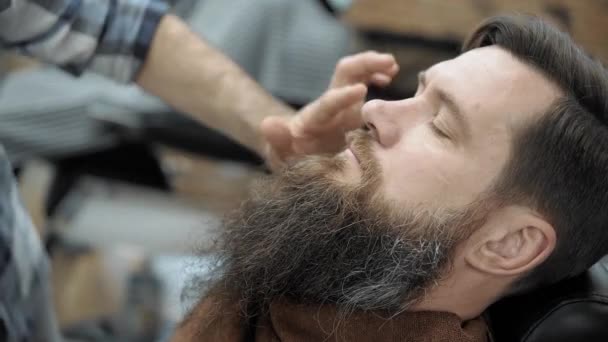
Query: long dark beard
{"type": "Point", "coordinates": [311, 239]}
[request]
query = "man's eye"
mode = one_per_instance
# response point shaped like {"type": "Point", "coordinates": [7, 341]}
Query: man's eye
{"type": "Point", "coordinates": [437, 131]}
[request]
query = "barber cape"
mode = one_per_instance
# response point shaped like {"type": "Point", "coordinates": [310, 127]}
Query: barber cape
{"type": "Point", "coordinates": [288, 322]}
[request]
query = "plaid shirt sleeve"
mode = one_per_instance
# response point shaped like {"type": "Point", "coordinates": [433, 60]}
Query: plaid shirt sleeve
{"type": "Point", "coordinates": [110, 37]}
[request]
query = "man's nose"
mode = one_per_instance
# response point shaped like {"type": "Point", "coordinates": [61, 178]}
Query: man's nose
{"type": "Point", "coordinates": [380, 123]}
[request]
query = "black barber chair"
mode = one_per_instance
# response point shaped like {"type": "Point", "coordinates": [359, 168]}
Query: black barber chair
{"type": "Point", "coordinates": [571, 311]}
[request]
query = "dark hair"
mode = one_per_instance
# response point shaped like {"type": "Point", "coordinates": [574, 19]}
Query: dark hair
{"type": "Point", "coordinates": [559, 164]}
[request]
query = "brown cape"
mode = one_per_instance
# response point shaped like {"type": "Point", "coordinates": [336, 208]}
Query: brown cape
{"type": "Point", "coordinates": [289, 322]}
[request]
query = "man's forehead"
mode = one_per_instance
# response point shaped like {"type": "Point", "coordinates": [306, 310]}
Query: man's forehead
{"type": "Point", "coordinates": [492, 81]}
{"type": "Point", "coordinates": [490, 63]}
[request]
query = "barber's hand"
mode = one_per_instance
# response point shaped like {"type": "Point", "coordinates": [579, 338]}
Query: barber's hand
{"type": "Point", "coordinates": [320, 127]}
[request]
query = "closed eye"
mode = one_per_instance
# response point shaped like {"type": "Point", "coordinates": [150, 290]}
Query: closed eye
{"type": "Point", "coordinates": [438, 131]}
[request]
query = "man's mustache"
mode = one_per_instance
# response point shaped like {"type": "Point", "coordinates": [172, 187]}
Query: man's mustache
{"type": "Point", "coordinates": [361, 142]}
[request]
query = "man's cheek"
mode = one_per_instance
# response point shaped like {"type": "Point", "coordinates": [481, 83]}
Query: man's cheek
{"type": "Point", "coordinates": [408, 178]}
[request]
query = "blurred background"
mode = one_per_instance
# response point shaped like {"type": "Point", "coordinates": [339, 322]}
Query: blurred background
{"type": "Point", "coordinates": [127, 193]}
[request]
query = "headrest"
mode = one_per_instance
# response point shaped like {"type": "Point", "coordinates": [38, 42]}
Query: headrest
{"type": "Point", "coordinates": [575, 309]}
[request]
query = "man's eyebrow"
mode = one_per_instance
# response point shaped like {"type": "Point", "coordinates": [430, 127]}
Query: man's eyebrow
{"type": "Point", "coordinates": [451, 103]}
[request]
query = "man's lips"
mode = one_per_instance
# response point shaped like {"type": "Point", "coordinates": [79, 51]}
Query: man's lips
{"type": "Point", "coordinates": [356, 141]}
{"type": "Point", "coordinates": [353, 155]}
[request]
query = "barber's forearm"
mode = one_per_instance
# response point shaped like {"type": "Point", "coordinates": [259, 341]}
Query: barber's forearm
{"type": "Point", "coordinates": [197, 79]}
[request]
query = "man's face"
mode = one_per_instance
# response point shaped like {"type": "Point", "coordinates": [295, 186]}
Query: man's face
{"type": "Point", "coordinates": [374, 226]}
{"type": "Point", "coordinates": [446, 145]}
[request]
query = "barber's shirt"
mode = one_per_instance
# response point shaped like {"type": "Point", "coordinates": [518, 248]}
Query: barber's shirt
{"type": "Point", "coordinates": [110, 37]}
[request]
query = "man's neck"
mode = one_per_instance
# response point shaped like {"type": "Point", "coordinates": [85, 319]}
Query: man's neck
{"type": "Point", "coordinates": [467, 296]}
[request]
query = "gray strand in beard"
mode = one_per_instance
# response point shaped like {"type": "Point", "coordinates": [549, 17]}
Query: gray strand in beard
{"type": "Point", "coordinates": [303, 237]}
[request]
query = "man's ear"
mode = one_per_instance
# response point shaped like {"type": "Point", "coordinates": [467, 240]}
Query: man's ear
{"type": "Point", "coordinates": [513, 241]}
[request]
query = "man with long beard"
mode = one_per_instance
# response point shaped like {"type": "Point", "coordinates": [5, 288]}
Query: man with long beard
{"type": "Point", "coordinates": [491, 180]}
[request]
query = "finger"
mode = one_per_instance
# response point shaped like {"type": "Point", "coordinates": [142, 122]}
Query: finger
{"type": "Point", "coordinates": [394, 70]}
{"type": "Point", "coordinates": [328, 106]}
{"type": "Point", "coordinates": [357, 68]}
{"type": "Point", "coordinates": [360, 67]}
{"type": "Point", "coordinates": [384, 79]}
{"type": "Point", "coordinates": [276, 132]}
{"type": "Point", "coordinates": [380, 80]}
